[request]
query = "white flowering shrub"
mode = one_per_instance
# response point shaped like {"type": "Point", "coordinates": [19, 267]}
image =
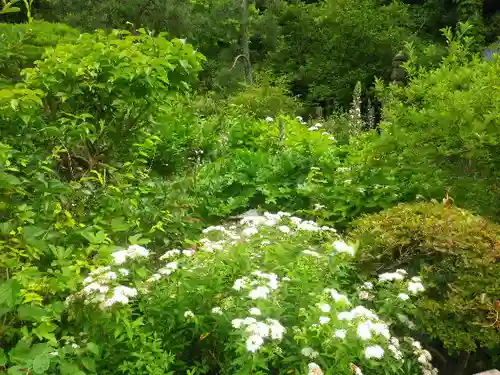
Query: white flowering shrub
{"type": "Point", "coordinates": [270, 294]}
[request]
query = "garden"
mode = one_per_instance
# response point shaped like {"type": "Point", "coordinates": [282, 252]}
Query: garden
{"type": "Point", "coordinates": [170, 206]}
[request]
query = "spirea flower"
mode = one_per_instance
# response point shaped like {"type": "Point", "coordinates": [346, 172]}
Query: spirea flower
{"type": "Point", "coordinates": [376, 352]}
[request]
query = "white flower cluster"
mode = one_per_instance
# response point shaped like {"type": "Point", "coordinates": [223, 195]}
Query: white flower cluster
{"type": "Point", "coordinates": [424, 358]}
{"type": "Point", "coordinates": [253, 221]}
{"type": "Point", "coordinates": [101, 287]}
{"type": "Point", "coordinates": [337, 297]}
{"type": "Point", "coordinates": [400, 274]}
{"type": "Point", "coordinates": [314, 369]}
{"type": "Point", "coordinates": [134, 251]}
{"type": "Point", "coordinates": [175, 253]}
{"type": "Point", "coordinates": [342, 247]}
{"type": "Point", "coordinates": [415, 285]}
{"type": "Point", "coordinates": [301, 120]}
{"type": "Point", "coordinates": [309, 352]}
{"type": "Point", "coordinates": [319, 126]}
{"type": "Point", "coordinates": [257, 331]}
{"type": "Point", "coordinates": [260, 284]}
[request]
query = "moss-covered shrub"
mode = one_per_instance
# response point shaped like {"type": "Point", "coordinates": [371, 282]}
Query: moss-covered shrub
{"type": "Point", "coordinates": [457, 254]}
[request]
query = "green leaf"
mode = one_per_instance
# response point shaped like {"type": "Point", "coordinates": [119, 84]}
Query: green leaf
{"type": "Point", "coordinates": [7, 180]}
{"type": "Point", "coordinates": [118, 224]}
{"type": "Point", "coordinates": [67, 368]}
{"type": "Point", "coordinates": [89, 364]}
{"type": "Point", "coordinates": [10, 293]}
{"type": "Point", "coordinates": [41, 364]}
{"type": "Point", "coordinates": [137, 240]}
{"type": "Point", "coordinates": [10, 10]}
{"type": "Point", "coordinates": [3, 358]}
{"type": "Point", "coordinates": [93, 348]}
{"type": "Point", "coordinates": [31, 313]}
{"type": "Point", "coordinates": [16, 370]}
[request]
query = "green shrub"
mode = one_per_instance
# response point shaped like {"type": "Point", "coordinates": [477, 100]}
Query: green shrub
{"type": "Point", "coordinates": [262, 162]}
{"type": "Point", "coordinates": [266, 98]}
{"type": "Point", "coordinates": [456, 253]}
{"type": "Point", "coordinates": [106, 87]}
{"type": "Point", "coordinates": [23, 44]}
{"type": "Point", "coordinates": [441, 132]}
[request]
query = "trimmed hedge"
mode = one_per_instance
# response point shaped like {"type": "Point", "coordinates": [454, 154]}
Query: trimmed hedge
{"type": "Point", "coordinates": [457, 255]}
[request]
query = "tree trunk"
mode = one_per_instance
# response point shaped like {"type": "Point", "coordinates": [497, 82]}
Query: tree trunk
{"type": "Point", "coordinates": [245, 48]}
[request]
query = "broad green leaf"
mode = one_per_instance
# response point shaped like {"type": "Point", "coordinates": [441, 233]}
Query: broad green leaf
{"type": "Point", "coordinates": [10, 293]}
{"type": "Point", "coordinates": [67, 368]}
{"type": "Point", "coordinates": [93, 348]}
{"type": "Point", "coordinates": [41, 364]}
{"type": "Point", "coordinates": [89, 364]}
{"type": "Point", "coordinates": [3, 358]}
{"type": "Point", "coordinates": [31, 313]}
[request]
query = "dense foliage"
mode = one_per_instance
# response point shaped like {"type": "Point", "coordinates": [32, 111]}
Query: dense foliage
{"type": "Point", "coordinates": [455, 252]}
{"type": "Point", "coordinates": [119, 146]}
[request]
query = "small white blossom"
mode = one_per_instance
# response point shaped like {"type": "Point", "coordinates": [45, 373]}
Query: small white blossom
{"type": "Point", "coordinates": [364, 331]}
{"type": "Point", "coordinates": [254, 342]}
{"type": "Point", "coordinates": [309, 352]}
{"type": "Point", "coordinates": [381, 329]}
{"type": "Point", "coordinates": [124, 271]}
{"type": "Point", "coordinates": [325, 307]}
{"type": "Point", "coordinates": [403, 296]}
{"type": "Point", "coordinates": [374, 352]}
{"type": "Point", "coordinates": [188, 314]}
{"type": "Point", "coordinates": [217, 310]}
{"type": "Point", "coordinates": [135, 251]}
{"type": "Point", "coordinates": [258, 328]}
{"type": "Point", "coordinates": [237, 323]}
{"type": "Point", "coordinates": [259, 292]}
{"type": "Point", "coordinates": [170, 254]}
{"type": "Point", "coordinates": [337, 296]}
{"type": "Point", "coordinates": [120, 256]}
{"type": "Point", "coordinates": [277, 330]}
{"type": "Point", "coordinates": [314, 369]}
{"type": "Point", "coordinates": [364, 295]}
{"type": "Point", "coordinates": [342, 247]}
{"type": "Point", "coordinates": [340, 333]}
{"type": "Point", "coordinates": [284, 229]}
{"type": "Point", "coordinates": [318, 207]}
{"type": "Point", "coordinates": [415, 288]}
{"type": "Point", "coordinates": [240, 284]}
{"type": "Point", "coordinates": [395, 352]}
{"type": "Point", "coordinates": [361, 311]}
{"type": "Point", "coordinates": [368, 285]}
{"type": "Point", "coordinates": [416, 344]}
{"type": "Point", "coordinates": [188, 253]}
{"type": "Point", "coordinates": [390, 276]}
{"type": "Point", "coordinates": [254, 311]}
{"type": "Point", "coordinates": [324, 320]}
{"type": "Point", "coordinates": [110, 275]}
{"type": "Point", "coordinates": [250, 231]}
{"type": "Point", "coordinates": [345, 315]}
{"type": "Point", "coordinates": [249, 320]}
{"type": "Point", "coordinates": [269, 119]}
